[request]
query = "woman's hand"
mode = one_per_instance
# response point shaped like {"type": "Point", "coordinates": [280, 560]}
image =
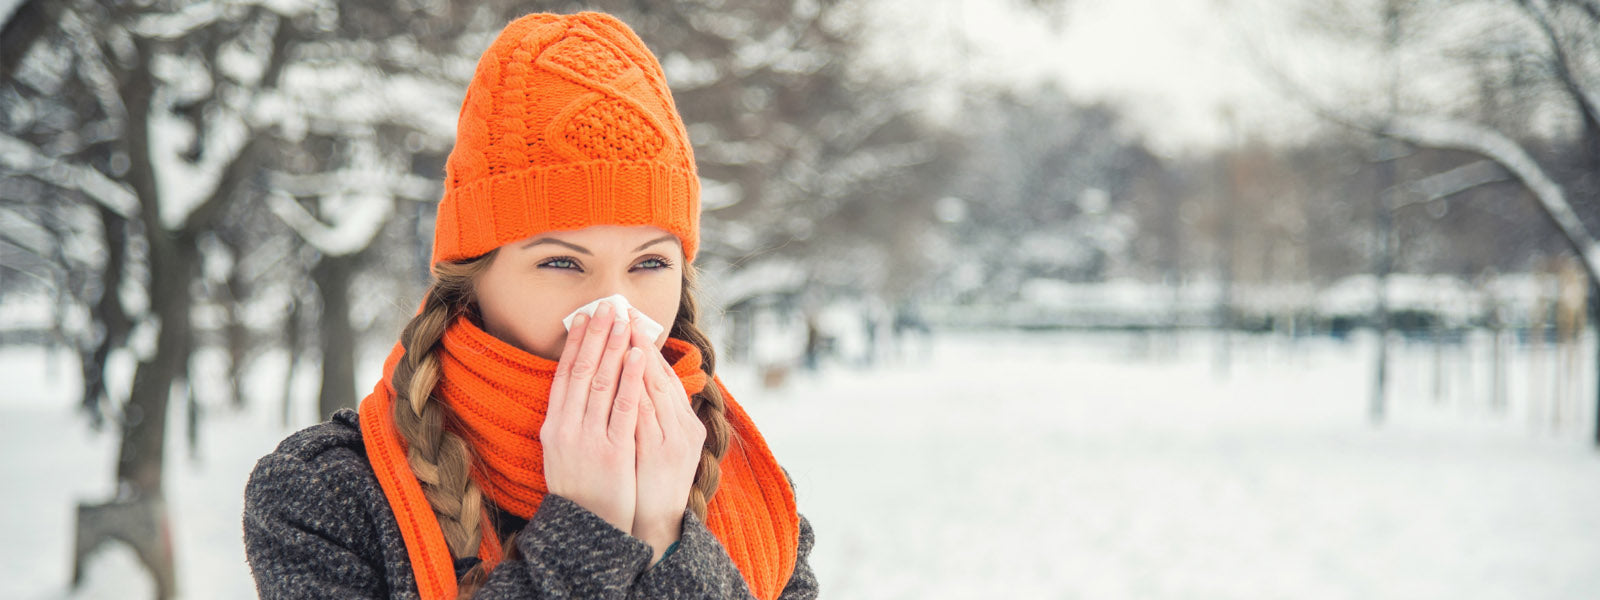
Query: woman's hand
{"type": "Point", "coordinates": [590, 424]}
{"type": "Point", "coordinates": [669, 439]}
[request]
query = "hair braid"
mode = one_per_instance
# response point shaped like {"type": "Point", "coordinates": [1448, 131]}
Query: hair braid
{"type": "Point", "coordinates": [708, 404]}
{"type": "Point", "coordinates": [440, 458]}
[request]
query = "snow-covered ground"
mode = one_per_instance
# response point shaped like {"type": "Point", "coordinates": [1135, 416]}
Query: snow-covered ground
{"type": "Point", "coordinates": [1047, 465]}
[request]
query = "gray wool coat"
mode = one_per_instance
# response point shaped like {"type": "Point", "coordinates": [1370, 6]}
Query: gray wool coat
{"type": "Point", "coordinates": [317, 525]}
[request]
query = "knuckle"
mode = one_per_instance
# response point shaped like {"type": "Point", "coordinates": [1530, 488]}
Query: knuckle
{"type": "Point", "coordinates": [583, 367]}
{"type": "Point", "coordinates": [600, 385]}
{"type": "Point", "coordinates": [660, 387]}
{"type": "Point", "coordinates": [624, 402]}
{"type": "Point", "coordinates": [617, 341]}
{"type": "Point", "coordinates": [553, 438]}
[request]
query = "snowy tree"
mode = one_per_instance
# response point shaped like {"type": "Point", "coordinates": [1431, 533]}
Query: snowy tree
{"type": "Point", "coordinates": [167, 147]}
{"type": "Point", "coordinates": [1045, 189]}
{"type": "Point", "coordinates": [1531, 109]}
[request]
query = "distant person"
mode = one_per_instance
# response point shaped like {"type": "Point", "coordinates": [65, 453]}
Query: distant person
{"type": "Point", "coordinates": [814, 343]}
{"type": "Point", "coordinates": [908, 320]}
{"type": "Point", "coordinates": [501, 456]}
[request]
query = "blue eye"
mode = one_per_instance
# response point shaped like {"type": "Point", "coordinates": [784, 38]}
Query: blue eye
{"type": "Point", "coordinates": [653, 263]}
{"type": "Point", "coordinates": [560, 262]}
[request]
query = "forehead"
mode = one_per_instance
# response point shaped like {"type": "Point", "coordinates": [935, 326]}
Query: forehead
{"type": "Point", "coordinates": [609, 237]}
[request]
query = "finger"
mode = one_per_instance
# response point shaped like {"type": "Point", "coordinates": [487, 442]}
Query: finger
{"type": "Point", "coordinates": [625, 408]}
{"type": "Point", "coordinates": [639, 339]}
{"type": "Point", "coordinates": [650, 431]}
{"type": "Point", "coordinates": [667, 391]}
{"type": "Point", "coordinates": [585, 364]}
{"type": "Point", "coordinates": [603, 387]}
{"type": "Point", "coordinates": [632, 391]}
{"type": "Point", "coordinates": [569, 350]}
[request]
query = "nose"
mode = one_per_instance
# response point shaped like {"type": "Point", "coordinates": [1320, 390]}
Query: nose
{"type": "Point", "coordinates": [613, 282]}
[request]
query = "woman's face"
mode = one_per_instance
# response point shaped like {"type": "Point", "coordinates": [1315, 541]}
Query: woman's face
{"type": "Point", "coordinates": [532, 284]}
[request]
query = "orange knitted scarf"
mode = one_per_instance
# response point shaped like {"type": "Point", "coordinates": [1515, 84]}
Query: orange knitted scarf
{"type": "Point", "coordinates": [498, 394]}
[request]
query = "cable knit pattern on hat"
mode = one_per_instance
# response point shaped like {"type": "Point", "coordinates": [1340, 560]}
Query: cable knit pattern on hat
{"type": "Point", "coordinates": [567, 123]}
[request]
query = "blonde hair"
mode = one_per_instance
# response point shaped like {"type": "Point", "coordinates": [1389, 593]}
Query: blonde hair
{"type": "Point", "coordinates": [442, 460]}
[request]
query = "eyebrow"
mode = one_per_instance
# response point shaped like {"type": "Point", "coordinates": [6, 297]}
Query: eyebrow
{"type": "Point", "coordinates": [574, 247]}
{"type": "Point", "coordinates": [664, 238]}
{"type": "Point", "coordinates": [577, 248]}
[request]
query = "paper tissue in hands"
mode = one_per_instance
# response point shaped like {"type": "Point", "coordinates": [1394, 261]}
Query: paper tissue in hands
{"type": "Point", "coordinates": [619, 307]}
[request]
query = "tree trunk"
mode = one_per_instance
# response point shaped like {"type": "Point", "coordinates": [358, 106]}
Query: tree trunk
{"type": "Point", "coordinates": [144, 423]}
{"type": "Point", "coordinates": [238, 336]}
{"type": "Point", "coordinates": [332, 276]}
{"type": "Point", "coordinates": [291, 344]}
{"type": "Point", "coordinates": [137, 514]}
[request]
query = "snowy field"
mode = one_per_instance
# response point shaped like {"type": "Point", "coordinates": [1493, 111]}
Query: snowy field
{"type": "Point", "coordinates": [1048, 465]}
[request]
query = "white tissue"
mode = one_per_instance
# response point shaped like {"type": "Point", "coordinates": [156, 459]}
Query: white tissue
{"type": "Point", "coordinates": [619, 307]}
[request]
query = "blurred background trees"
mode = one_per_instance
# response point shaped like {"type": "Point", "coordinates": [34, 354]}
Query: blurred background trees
{"type": "Point", "coordinates": [192, 188]}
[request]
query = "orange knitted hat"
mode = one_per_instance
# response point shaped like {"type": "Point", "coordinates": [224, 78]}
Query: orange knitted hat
{"type": "Point", "coordinates": [567, 123]}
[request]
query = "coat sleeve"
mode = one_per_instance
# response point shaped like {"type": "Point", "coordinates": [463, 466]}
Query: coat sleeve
{"type": "Point", "coordinates": [309, 533]}
{"type": "Point", "coordinates": [701, 568]}
{"type": "Point", "coordinates": [566, 551]}
{"type": "Point", "coordinates": [306, 536]}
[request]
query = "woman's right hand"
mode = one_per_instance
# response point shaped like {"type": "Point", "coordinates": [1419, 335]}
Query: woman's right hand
{"type": "Point", "coordinates": [588, 432]}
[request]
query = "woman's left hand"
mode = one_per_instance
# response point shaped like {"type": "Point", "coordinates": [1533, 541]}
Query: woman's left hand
{"type": "Point", "coordinates": [668, 444]}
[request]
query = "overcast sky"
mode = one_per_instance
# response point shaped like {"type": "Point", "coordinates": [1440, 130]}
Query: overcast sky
{"type": "Point", "coordinates": [1176, 66]}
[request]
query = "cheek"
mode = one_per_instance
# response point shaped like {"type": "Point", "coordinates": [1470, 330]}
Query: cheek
{"type": "Point", "coordinates": [525, 318]}
{"type": "Point", "coordinates": [545, 335]}
{"type": "Point", "coordinates": [660, 302]}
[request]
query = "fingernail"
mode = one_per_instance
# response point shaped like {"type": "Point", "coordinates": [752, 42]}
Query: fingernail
{"type": "Point", "coordinates": [579, 321]}
{"type": "Point", "coordinates": [604, 309]}
{"type": "Point", "coordinates": [619, 327]}
{"type": "Point", "coordinates": [632, 357]}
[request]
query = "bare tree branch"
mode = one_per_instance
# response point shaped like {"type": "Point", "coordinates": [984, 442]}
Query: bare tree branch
{"type": "Point", "coordinates": [1588, 103]}
{"type": "Point", "coordinates": [96, 75]}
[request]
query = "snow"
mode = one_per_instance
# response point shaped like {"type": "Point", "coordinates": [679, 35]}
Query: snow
{"type": "Point", "coordinates": [1025, 465]}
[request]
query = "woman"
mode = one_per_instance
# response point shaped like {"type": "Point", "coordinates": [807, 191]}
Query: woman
{"type": "Point", "coordinates": [503, 456]}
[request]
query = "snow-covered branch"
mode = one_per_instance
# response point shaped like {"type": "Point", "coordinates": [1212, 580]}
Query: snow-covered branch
{"type": "Point", "coordinates": [354, 202]}
{"type": "Point", "coordinates": [93, 63]}
{"type": "Point", "coordinates": [360, 218]}
{"type": "Point", "coordinates": [22, 157]}
{"type": "Point", "coordinates": [1441, 133]}
{"type": "Point", "coordinates": [1491, 144]}
{"type": "Point", "coordinates": [1449, 183]}
{"type": "Point", "coordinates": [186, 186]}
